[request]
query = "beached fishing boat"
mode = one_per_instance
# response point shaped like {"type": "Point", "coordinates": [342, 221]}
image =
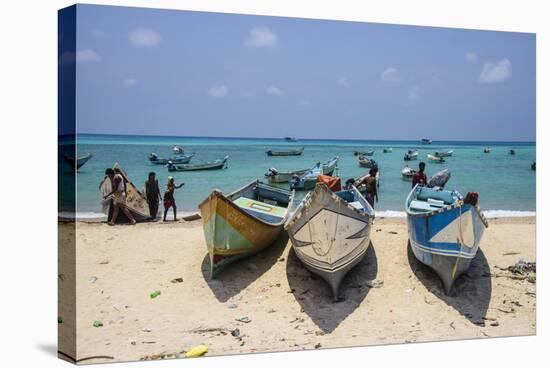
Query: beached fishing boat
{"type": "Point", "coordinates": [444, 230]}
{"type": "Point", "coordinates": [330, 233]}
{"type": "Point", "coordinates": [388, 150]}
{"type": "Point", "coordinates": [407, 173]}
{"type": "Point", "coordinates": [308, 180]}
{"type": "Point", "coordinates": [366, 162]}
{"type": "Point", "coordinates": [176, 159]}
{"type": "Point", "coordinates": [177, 150]}
{"type": "Point", "coordinates": [292, 152]}
{"type": "Point", "coordinates": [363, 153]}
{"type": "Point", "coordinates": [136, 202]}
{"type": "Point", "coordinates": [487, 150]}
{"type": "Point", "coordinates": [411, 155]}
{"type": "Point", "coordinates": [449, 153]}
{"type": "Point", "coordinates": [243, 222]}
{"type": "Point", "coordinates": [435, 158]}
{"type": "Point", "coordinates": [275, 176]}
{"type": "Point", "coordinates": [426, 141]}
{"type": "Point", "coordinates": [77, 163]}
{"type": "Point", "coordinates": [213, 165]}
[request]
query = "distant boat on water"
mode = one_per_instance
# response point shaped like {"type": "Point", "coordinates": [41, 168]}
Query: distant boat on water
{"type": "Point", "coordinates": [293, 152]}
{"type": "Point", "coordinates": [212, 165]}
{"type": "Point", "coordinates": [363, 153]}
{"type": "Point", "coordinates": [449, 153]}
{"type": "Point", "coordinates": [410, 155]}
{"type": "Point", "coordinates": [407, 173]}
{"type": "Point", "coordinates": [388, 150]}
{"type": "Point", "coordinates": [367, 162]}
{"type": "Point", "coordinates": [330, 233]}
{"type": "Point", "coordinates": [290, 139]}
{"type": "Point", "coordinates": [426, 141]}
{"type": "Point", "coordinates": [244, 222]}
{"type": "Point", "coordinates": [512, 152]}
{"type": "Point", "coordinates": [77, 163]}
{"type": "Point", "coordinates": [177, 150]}
{"type": "Point", "coordinates": [435, 158]}
{"type": "Point", "coordinates": [487, 150]}
{"type": "Point", "coordinates": [445, 230]}
{"type": "Point", "coordinates": [177, 159]}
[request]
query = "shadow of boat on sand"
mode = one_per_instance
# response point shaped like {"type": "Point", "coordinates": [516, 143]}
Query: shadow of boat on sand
{"type": "Point", "coordinates": [238, 275]}
{"type": "Point", "coordinates": [314, 294]}
{"type": "Point", "coordinates": [471, 293]}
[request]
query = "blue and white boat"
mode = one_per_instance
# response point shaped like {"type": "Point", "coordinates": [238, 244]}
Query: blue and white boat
{"type": "Point", "coordinates": [444, 230]}
{"type": "Point", "coordinates": [309, 179]}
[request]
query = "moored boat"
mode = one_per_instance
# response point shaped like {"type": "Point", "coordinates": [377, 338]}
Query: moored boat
{"type": "Point", "coordinates": [366, 162]}
{"type": "Point", "coordinates": [363, 153]}
{"type": "Point", "coordinates": [136, 202]}
{"type": "Point", "coordinates": [290, 139]}
{"type": "Point", "coordinates": [275, 176]}
{"type": "Point", "coordinates": [449, 153]}
{"type": "Point", "coordinates": [407, 173]}
{"type": "Point", "coordinates": [212, 165]}
{"type": "Point", "coordinates": [292, 152]}
{"type": "Point", "coordinates": [308, 180]}
{"type": "Point", "coordinates": [78, 162]}
{"type": "Point", "coordinates": [487, 150]}
{"type": "Point", "coordinates": [178, 150]}
{"type": "Point", "coordinates": [243, 222]}
{"type": "Point", "coordinates": [435, 158]}
{"type": "Point", "coordinates": [176, 160]}
{"type": "Point", "coordinates": [445, 230]}
{"type": "Point", "coordinates": [426, 141]}
{"type": "Point", "coordinates": [388, 150]}
{"type": "Point", "coordinates": [330, 232]}
{"type": "Point", "coordinates": [410, 155]}
{"type": "Point", "coordinates": [512, 152]}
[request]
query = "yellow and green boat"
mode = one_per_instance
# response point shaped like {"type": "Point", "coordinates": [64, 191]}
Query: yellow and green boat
{"type": "Point", "coordinates": [243, 222]}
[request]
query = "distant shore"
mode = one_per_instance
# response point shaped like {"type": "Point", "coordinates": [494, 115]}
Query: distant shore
{"type": "Point", "coordinates": [286, 308]}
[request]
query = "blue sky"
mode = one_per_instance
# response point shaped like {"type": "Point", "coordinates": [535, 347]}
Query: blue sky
{"type": "Point", "coordinates": [163, 72]}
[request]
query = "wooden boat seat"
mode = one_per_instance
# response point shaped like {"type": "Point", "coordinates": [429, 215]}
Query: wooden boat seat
{"type": "Point", "coordinates": [261, 210]}
{"type": "Point", "coordinates": [426, 193]}
{"type": "Point", "coordinates": [422, 206]}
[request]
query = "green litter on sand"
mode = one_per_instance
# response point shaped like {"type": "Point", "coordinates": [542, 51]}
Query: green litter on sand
{"type": "Point", "coordinates": [154, 294]}
{"type": "Point", "coordinates": [98, 323]}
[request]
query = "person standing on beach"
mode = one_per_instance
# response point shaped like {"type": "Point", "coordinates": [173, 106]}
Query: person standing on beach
{"type": "Point", "coordinates": [420, 177]}
{"type": "Point", "coordinates": [119, 196]}
{"type": "Point", "coordinates": [169, 200]}
{"type": "Point", "coordinates": [152, 192]}
{"type": "Point", "coordinates": [371, 188]}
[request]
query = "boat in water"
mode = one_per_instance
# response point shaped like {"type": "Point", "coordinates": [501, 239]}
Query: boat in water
{"type": "Point", "coordinates": [363, 153]}
{"type": "Point", "coordinates": [330, 232]}
{"type": "Point", "coordinates": [449, 153]}
{"type": "Point", "coordinates": [78, 162]}
{"type": "Point", "coordinates": [243, 222]}
{"type": "Point", "coordinates": [512, 152]}
{"type": "Point", "coordinates": [136, 202]}
{"type": "Point", "coordinates": [177, 150]}
{"type": "Point", "coordinates": [366, 162]}
{"type": "Point", "coordinates": [388, 150]}
{"type": "Point", "coordinates": [292, 152]}
{"type": "Point", "coordinates": [410, 155]}
{"type": "Point", "coordinates": [445, 230]}
{"type": "Point", "coordinates": [487, 150]}
{"type": "Point", "coordinates": [308, 180]}
{"type": "Point", "coordinates": [212, 165]}
{"type": "Point", "coordinates": [407, 173]}
{"type": "Point", "coordinates": [176, 159]}
{"type": "Point", "coordinates": [426, 141]}
{"type": "Point", "coordinates": [275, 176]}
{"type": "Point", "coordinates": [435, 158]}
{"type": "Point", "coordinates": [290, 139]}
{"type": "Point", "coordinates": [534, 166]}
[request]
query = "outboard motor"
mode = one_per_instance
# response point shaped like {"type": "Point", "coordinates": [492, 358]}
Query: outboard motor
{"type": "Point", "coordinates": [440, 179]}
{"type": "Point", "coordinates": [271, 172]}
{"type": "Point", "coordinates": [294, 181]}
{"type": "Point", "coordinates": [153, 156]}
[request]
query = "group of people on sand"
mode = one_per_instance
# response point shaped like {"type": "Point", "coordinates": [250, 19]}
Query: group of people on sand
{"type": "Point", "coordinates": [119, 192]}
{"type": "Point", "coordinates": [370, 182]}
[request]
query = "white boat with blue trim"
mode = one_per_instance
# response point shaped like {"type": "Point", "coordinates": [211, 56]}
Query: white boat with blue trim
{"type": "Point", "coordinates": [445, 230]}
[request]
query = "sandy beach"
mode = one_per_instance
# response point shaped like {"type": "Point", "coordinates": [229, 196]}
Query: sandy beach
{"type": "Point", "coordinates": [389, 298]}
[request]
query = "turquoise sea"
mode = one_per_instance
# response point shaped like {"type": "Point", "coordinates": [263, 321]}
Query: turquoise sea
{"type": "Point", "coordinates": [505, 183]}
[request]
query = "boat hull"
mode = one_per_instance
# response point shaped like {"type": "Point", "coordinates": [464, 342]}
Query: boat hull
{"type": "Point", "coordinates": [329, 236]}
{"type": "Point", "coordinates": [285, 177]}
{"type": "Point", "coordinates": [77, 163]}
{"type": "Point", "coordinates": [447, 240]}
{"type": "Point", "coordinates": [231, 233]}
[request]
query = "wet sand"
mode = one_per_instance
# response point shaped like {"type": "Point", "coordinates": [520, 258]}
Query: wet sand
{"type": "Point", "coordinates": [287, 307]}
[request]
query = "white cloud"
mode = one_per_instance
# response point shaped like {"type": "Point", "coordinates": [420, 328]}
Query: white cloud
{"type": "Point", "coordinates": [218, 91]}
{"type": "Point", "coordinates": [87, 56]}
{"type": "Point", "coordinates": [274, 91]}
{"type": "Point", "coordinates": [414, 93]}
{"type": "Point", "coordinates": [470, 57]}
{"type": "Point", "coordinates": [129, 82]}
{"type": "Point", "coordinates": [261, 37]}
{"type": "Point", "coordinates": [496, 72]}
{"type": "Point", "coordinates": [390, 74]}
{"type": "Point", "coordinates": [343, 82]}
{"type": "Point", "coordinates": [143, 37]}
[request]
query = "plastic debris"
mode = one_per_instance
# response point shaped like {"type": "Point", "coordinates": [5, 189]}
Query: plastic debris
{"type": "Point", "coordinates": [98, 324]}
{"type": "Point", "coordinates": [376, 283]}
{"type": "Point", "coordinates": [244, 319]}
{"type": "Point", "coordinates": [236, 332]}
{"type": "Point", "coordinates": [197, 351]}
{"type": "Point", "coordinates": [154, 294]}
{"type": "Point", "coordinates": [177, 280]}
